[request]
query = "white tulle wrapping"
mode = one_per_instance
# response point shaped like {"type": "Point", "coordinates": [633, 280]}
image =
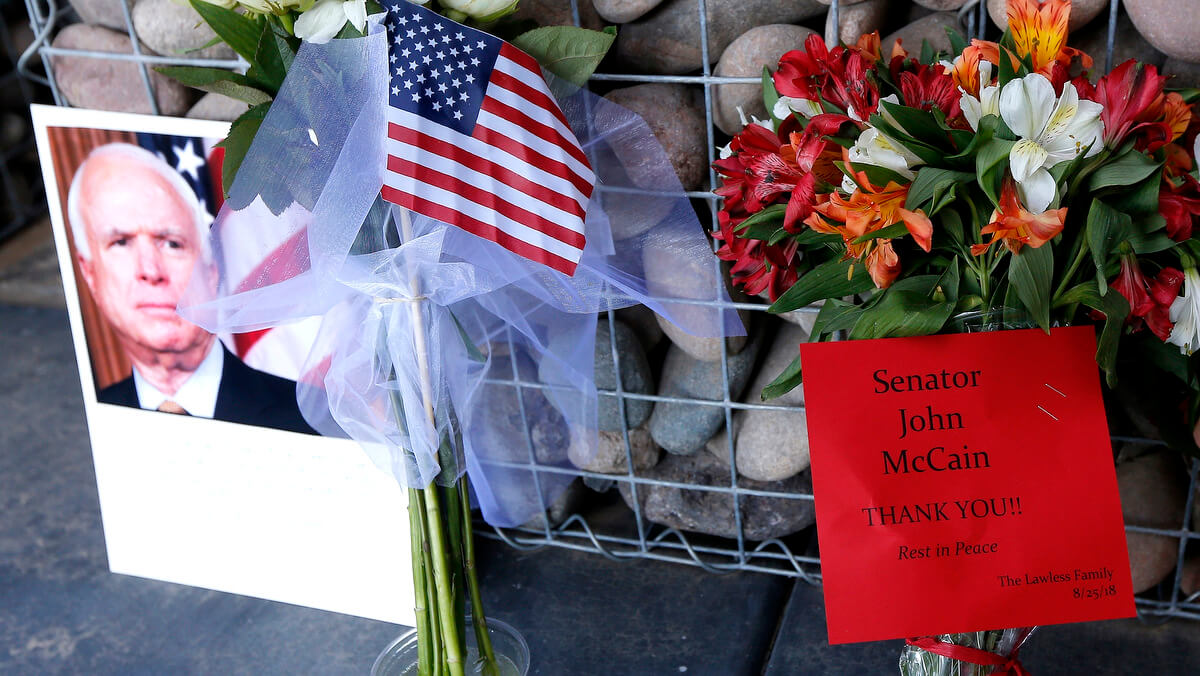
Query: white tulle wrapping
{"type": "Point", "coordinates": [312, 179]}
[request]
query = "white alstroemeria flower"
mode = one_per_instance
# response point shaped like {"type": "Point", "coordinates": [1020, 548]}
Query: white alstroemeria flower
{"type": "Point", "coordinates": [848, 185]}
{"type": "Point", "coordinates": [481, 9]}
{"type": "Point", "coordinates": [786, 105]}
{"type": "Point", "coordinates": [988, 103]}
{"type": "Point", "coordinates": [878, 149]}
{"type": "Point", "coordinates": [1185, 313]}
{"type": "Point", "coordinates": [325, 19]}
{"type": "Point", "coordinates": [1050, 132]}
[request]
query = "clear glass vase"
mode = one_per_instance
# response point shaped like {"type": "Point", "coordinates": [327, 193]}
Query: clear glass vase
{"type": "Point", "coordinates": [512, 652]}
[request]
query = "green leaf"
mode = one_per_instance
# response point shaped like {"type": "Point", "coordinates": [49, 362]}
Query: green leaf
{"type": "Point", "coordinates": [952, 225]}
{"type": "Point", "coordinates": [928, 53]}
{"type": "Point", "coordinates": [1105, 230]}
{"type": "Point", "coordinates": [570, 53]}
{"type": "Point", "coordinates": [931, 185]}
{"type": "Point", "coordinates": [240, 32]}
{"type": "Point", "coordinates": [473, 352]}
{"type": "Point", "coordinates": [770, 217]}
{"type": "Point", "coordinates": [835, 315]}
{"type": "Point", "coordinates": [1128, 169]}
{"type": "Point", "coordinates": [833, 279]}
{"type": "Point", "coordinates": [785, 382]}
{"type": "Point", "coordinates": [237, 143]}
{"type": "Point", "coordinates": [1149, 243]}
{"type": "Point", "coordinates": [890, 232]}
{"type": "Point", "coordinates": [217, 80]}
{"type": "Point", "coordinates": [1031, 273]}
{"type": "Point", "coordinates": [1115, 309]}
{"type": "Point", "coordinates": [902, 313]}
{"type": "Point", "coordinates": [770, 95]}
{"type": "Point", "coordinates": [990, 165]}
{"type": "Point", "coordinates": [269, 67]}
{"type": "Point", "coordinates": [1142, 199]}
{"type": "Point", "coordinates": [877, 175]}
{"type": "Point", "coordinates": [957, 42]}
{"type": "Point", "coordinates": [919, 124]}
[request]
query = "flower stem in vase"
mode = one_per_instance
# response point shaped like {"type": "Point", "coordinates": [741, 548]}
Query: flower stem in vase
{"type": "Point", "coordinates": [482, 638]}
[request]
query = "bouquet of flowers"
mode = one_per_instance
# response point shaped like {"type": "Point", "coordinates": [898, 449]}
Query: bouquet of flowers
{"type": "Point", "coordinates": [1002, 183]}
{"type": "Point", "coordinates": [905, 190]}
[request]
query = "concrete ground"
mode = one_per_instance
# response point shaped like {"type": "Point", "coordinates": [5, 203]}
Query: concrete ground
{"type": "Point", "coordinates": [62, 612]}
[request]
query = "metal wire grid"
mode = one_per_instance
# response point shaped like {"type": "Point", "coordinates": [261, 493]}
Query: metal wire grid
{"type": "Point", "coordinates": [19, 206]}
{"type": "Point", "coordinates": [648, 540]}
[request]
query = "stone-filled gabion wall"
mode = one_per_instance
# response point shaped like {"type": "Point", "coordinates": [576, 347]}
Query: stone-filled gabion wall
{"type": "Point", "coordinates": [675, 441]}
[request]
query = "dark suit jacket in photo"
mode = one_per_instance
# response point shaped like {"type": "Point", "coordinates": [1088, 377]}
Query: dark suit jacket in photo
{"type": "Point", "coordinates": [246, 396]}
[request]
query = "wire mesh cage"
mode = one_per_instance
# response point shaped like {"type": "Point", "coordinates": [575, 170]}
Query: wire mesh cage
{"type": "Point", "coordinates": [615, 523]}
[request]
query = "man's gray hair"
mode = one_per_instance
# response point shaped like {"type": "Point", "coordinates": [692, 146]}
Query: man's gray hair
{"type": "Point", "coordinates": [200, 217]}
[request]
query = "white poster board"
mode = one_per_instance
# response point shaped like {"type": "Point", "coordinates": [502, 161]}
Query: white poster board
{"type": "Point", "coordinates": [239, 508]}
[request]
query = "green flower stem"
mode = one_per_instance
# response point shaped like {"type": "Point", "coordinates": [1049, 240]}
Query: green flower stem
{"type": "Point", "coordinates": [443, 584]}
{"type": "Point", "coordinates": [1081, 250]}
{"type": "Point", "coordinates": [420, 573]}
{"type": "Point", "coordinates": [487, 656]}
{"type": "Point", "coordinates": [287, 22]}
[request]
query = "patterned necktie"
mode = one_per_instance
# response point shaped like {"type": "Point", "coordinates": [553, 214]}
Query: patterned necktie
{"type": "Point", "coordinates": [169, 406]}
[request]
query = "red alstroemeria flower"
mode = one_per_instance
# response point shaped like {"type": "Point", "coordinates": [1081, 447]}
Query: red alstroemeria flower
{"type": "Point", "coordinates": [1149, 303]}
{"type": "Point", "coordinates": [1016, 227]}
{"type": "Point", "coordinates": [795, 170]}
{"type": "Point", "coordinates": [929, 87]}
{"type": "Point", "coordinates": [1180, 205]}
{"type": "Point", "coordinates": [839, 75]}
{"type": "Point", "coordinates": [867, 210]}
{"type": "Point", "coordinates": [1133, 101]}
{"type": "Point", "coordinates": [737, 181]}
{"type": "Point", "coordinates": [757, 266]}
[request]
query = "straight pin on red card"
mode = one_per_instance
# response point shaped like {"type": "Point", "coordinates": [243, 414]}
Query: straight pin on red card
{"type": "Point", "coordinates": [963, 483]}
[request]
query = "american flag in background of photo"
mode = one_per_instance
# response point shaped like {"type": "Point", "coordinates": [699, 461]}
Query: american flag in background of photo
{"type": "Point", "coordinates": [187, 155]}
{"type": "Point", "coordinates": [476, 139]}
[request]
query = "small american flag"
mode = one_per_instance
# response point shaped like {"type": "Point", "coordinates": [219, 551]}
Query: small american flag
{"type": "Point", "coordinates": [476, 140]}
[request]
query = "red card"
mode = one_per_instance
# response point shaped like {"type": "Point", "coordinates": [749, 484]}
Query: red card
{"type": "Point", "coordinates": [963, 483]}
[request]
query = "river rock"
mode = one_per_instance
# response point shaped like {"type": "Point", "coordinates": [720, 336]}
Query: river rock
{"type": "Point", "coordinates": [542, 422]}
{"type": "Point", "coordinates": [610, 456]}
{"type": "Point", "coordinates": [107, 84]}
{"type": "Point", "coordinates": [683, 428]}
{"type": "Point", "coordinates": [696, 280]}
{"type": "Point", "coordinates": [1169, 25]}
{"type": "Point", "coordinates": [1190, 584]}
{"type": "Point", "coordinates": [623, 11]}
{"type": "Point", "coordinates": [570, 501]}
{"type": "Point", "coordinates": [769, 445]}
{"type": "Point", "coordinates": [843, 3]}
{"type": "Point", "coordinates": [1152, 497]}
{"type": "Point", "coordinates": [712, 512]}
{"type": "Point", "coordinates": [217, 107]}
{"type": "Point", "coordinates": [635, 377]}
{"type": "Point", "coordinates": [557, 13]}
{"type": "Point", "coordinates": [1093, 41]}
{"type": "Point", "coordinates": [745, 57]}
{"type": "Point", "coordinates": [1082, 12]}
{"type": "Point", "coordinates": [667, 40]}
{"type": "Point", "coordinates": [103, 12]}
{"type": "Point", "coordinates": [171, 28]}
{"type": "Point", "coordinates": [941, 5]}
{"type": "Point", "coordinates": [1183, 73]}
{"type": "Point", "coordinates": [858, 20]}
{"type": "Point", "coordinates": [676, 117]}
{"type": "Point", "coordinates": [931, 28]}
{"type": "Point", "coordinates": [643, 322]}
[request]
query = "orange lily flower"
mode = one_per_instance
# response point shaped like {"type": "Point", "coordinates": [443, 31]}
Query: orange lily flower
{"type": "Point", "coordinates": [1015, 227]}
{"type": "Point", "coordinates": [869, 47]}
{"type": "Point", "coordinates": [868, 210]}
{"type": "Point", "coordinates": [1039, 32]}
{"type": "Point", "coordinates": [1177, 114]}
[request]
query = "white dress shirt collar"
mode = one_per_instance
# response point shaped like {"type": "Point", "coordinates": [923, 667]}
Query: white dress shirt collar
{"type": "Point", "coordinates": [197, 395]}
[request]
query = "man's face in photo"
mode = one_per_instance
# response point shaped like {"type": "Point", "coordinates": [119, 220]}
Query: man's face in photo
{"type": "Point", "coordinates": [144, 243]}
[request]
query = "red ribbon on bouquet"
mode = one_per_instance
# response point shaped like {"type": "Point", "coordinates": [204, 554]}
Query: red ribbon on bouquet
{"type": "Point", "coordinates": [1008, 666]}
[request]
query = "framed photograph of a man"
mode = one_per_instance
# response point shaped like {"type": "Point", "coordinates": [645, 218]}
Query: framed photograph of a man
{"type": "Point", "coordinates": [208, 473]}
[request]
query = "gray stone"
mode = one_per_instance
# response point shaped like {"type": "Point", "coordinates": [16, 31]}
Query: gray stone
{"type": "Point", "coordinates": [712, 512]}
{"type": "Point", "coordinates": [545, 426]}
{"type": "Point", "coordinates": [858, 20]}
{"type": "Point", "coordinates": [694, 281]}
{"type": "Point", "coordinates": [843, 3]}
{"type": "Point", "coordinates": [1082, 11]}
{"type": "Point", "coordinates": [642, 320]}
{"type": "Point", "coordinates": [102, 12]}
{"type": "Point", "coordinates": [667, 40]}
{"type": "Point", "coordinates": [171, 28]}
{"type": "Point", "coordinates": [769, 445]}
{"type": "Point", "coordinates": [683, 428]}
{"type": "Point", "coordinates": [1130, 44]}
{"type": "Point", "coordinates": [1190, 584]}
{"type": "Point", "coordinates": [1183, 73]}
{"type": "Point", "coordinates": [610, 456]}
{"type": "Point", "coordinates": [1151, 496]}
{"type": "Point", "coordinates": [557, 13]}
{"type": "Point", "coordinates": [745, 57]}
{"type": "Point", "coordinates": [571, 501]}
{"type": "Point", "coordinates": [676, 117]}
{"type": "Point", "coordinates": [623, 11]}
{"type": "Point", "coordinates": [635, 377]}
{"type": "Point", "coordinates": [109, 84]}
{"type": "Point", "coordinates": [1169, 25]}
{"type": "Point", "coordinates": [931, 28]}
{"type": "Point", "coordinates": [217, 107]}
{"type": "Point", "coordinates": [941, 5]}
